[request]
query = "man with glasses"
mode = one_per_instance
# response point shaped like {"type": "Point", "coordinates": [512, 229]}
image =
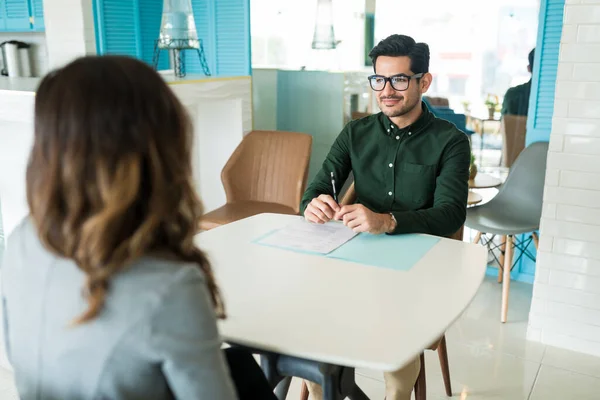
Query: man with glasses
{"type": "Point", "coordinates": [410, 168]}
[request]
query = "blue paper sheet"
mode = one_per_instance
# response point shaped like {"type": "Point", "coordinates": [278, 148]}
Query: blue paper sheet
{"type": "Point", "coordinates": [397, 252]}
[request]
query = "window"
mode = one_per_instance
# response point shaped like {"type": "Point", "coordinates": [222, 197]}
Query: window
{"type": "Point", "coordinates": [477, 47]}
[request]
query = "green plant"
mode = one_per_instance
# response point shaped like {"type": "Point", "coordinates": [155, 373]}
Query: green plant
{"type": "Point", "coordinates": [492, 101]}
{"type": "Point", "coordinates": [472, 159]}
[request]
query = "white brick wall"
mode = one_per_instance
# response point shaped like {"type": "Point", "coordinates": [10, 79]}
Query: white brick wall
{"type": "Point", "coordinates": [69, 30]}
{"type": "Point", "coordinates": [565, 311]}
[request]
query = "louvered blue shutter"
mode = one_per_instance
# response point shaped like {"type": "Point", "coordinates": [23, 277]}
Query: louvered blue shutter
{"type": "Point", "coordinates": [2, 17]}
{"type": "Point", "coordinates": [117, 30]}
{"type": "Point", "coordinates": [37, 11]}
{"type": "Point", "coordinates": [150, 18]}
{"type": "Point", "coordinates": [541, 101]}
{"type": "Point", "coordinates": [232, 37]}
{"type": "Point", "coordinates": [204, 18]}
{"type": "Point", "coordinates": [224, 27]}
{"type": "Point", "coordinates": [17, 15]}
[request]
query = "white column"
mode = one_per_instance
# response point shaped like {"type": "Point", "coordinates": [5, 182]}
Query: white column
{"type": "Point", "coordinates": [69, 30]}
{"type": "Point", "coordinates": [565, 311]}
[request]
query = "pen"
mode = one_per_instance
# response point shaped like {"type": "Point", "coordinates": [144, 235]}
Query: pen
{"type": "Point", "coordinates": [333, 186]}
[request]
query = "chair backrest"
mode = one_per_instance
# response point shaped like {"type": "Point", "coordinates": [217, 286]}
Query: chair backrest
{"type": "Point", "coordinates": [269, 166]}
{"type": "Point", "coordinates": [523, 191]}
{"type": "Point", "coordinates": [513, 129]}
{"type": "Point", "coordinates": [438, 101]}
{"type": "Point", "coordinates": [459, 120]}
{"type": "Point", "coordinates": [359, 114]}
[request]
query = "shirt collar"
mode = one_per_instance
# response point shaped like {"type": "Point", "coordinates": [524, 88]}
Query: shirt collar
{"type": "Point", "coordinates": [417, 127]}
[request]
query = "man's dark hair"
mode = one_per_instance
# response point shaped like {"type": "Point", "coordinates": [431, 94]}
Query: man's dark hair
{"type": "Point", "coordinates": [531, 57]}
{"type": "Point", "coordinates": [402, 45]}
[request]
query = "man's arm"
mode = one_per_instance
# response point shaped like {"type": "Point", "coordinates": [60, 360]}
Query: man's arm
{"type": "Point", "coordinates": [450, 197]}
{"type": "Point", "coordinates": [338, 162]}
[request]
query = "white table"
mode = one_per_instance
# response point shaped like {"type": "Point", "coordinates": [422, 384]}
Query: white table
{"type": "Point", "coordinates": [336, 311]}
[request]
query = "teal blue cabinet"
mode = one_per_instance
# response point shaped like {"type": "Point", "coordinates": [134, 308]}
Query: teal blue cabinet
{"type": "Point", "coordinates": [224, 27]}
{"type": "Point", "coordinates": [2, 17]}
{"type": "Point", "coordinates": [16, 14]}
{"type": "Point", "coordinates": [129, 27]}
{"type": "Point", "coordinates": [37, 14]}
{"type": "Point", "coordinates": [21, 15]}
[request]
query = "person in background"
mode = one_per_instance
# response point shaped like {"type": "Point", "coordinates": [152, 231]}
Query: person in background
{"type": "Point", "coordinates": [411, 169]}
{"type": "Point", "coordinates": [516, 99]}
{"type": "Point", "coordinates": [104, 292]}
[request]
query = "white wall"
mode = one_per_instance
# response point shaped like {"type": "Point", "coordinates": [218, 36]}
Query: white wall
{"type": "Point", "coordinates": [565, 311]}
{"type": "Point", "coordinates": [264, 99]}
{"type": "Point", "coordinates": [69, 30]}
{"type": "Point", "coordinates": [38, 53]}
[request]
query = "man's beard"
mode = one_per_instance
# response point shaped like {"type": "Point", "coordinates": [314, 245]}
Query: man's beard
{"type": "Point", "coordinates": [405, 109]}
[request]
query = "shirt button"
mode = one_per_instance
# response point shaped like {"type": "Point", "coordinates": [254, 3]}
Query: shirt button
{"type": "Point", "coordinates": [388, 131]}
{"type": "Point", "coordinates": [397, 137]}
{"type": "Point", "coordinates": [409, 133]}
{"type": "Point", "coordinates": [391, 165]}
{"type": "Point", "coordinates": [392, 127]}
{"type": "Point", "coordinates": [390, 193]}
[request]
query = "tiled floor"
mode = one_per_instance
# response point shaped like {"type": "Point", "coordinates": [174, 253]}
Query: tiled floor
{"type": "Point", "coordinates": [488, 360]}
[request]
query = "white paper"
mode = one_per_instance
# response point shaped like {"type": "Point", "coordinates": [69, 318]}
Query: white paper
{"type": "Point", "coordinates": [314, 238]}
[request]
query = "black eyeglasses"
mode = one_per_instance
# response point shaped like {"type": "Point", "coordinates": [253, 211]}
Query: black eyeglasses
{"type": "Point", "coordinates": [399, 82]}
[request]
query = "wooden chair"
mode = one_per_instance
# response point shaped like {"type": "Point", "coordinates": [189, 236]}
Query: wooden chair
{"type": "Point", "coordinates": [513, 129]}
{"type": "Point", "coordinates": [267, 173]}
{"type": "Point", "coordinates": [360, 114]}
{"type": "Point", "coordinates": [438, 101]}
{"type": "Point", "coordinates": [350, 197]}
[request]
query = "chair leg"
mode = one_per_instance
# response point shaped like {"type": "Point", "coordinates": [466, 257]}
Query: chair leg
{"type": "Point", "coordinates": [304, 391]}
{"type": "Point", "coordinates": [443, 355]}
{"type": "Point", "coordinates": [501, 258]}
{"type": "Point", "coordinates": [420, 384]}
{"type": "Point", "coordinates": [536, 240]}
{"type": "Point", "coordinates": [508, 259]}
{"type": "Point", "coordinates": [477, 238]}
{"type": "Point", "coordinates": [282, 389]}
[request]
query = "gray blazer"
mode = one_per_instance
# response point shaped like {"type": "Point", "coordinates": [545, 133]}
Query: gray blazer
{"type": "Point", "coordinates": [156, 337]}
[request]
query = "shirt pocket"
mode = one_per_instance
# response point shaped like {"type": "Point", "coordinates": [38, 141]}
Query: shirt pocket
{"type": "Point", "coordinates": [417, 183]}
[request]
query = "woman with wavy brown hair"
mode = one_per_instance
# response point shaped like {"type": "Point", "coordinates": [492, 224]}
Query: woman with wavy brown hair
{"type": "Point", "coordinates": [105, 294]}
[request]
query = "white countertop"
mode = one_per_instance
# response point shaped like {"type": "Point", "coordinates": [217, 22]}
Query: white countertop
{"type": "Point", "coordinates": [31, 84]}
{"type": "Point", "coordinates": [19, 84]}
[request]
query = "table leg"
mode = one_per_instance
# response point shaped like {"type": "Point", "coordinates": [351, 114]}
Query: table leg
{"type": "Point", "coordinates": [358, 394]}
{"type": "Point", "coordinates": [481, 145]}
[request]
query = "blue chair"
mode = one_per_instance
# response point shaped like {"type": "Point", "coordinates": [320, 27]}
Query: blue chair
{"type": "Point", "coordinates": [442, 112]}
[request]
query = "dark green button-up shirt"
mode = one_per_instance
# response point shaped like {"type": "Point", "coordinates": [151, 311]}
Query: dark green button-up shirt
{"type": "Point", "coordinates": [419, 173]}
{"type": "Point", "coordinates": [516, 100]}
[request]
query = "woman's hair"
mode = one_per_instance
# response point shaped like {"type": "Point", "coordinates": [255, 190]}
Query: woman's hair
{"type": "Point", "coordinates": [109, 178]}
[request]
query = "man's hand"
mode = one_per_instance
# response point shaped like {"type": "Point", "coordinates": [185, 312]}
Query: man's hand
{"type": "Point", "coordinates": [321, 209]}
{"type": "Point", "coordinates": [360, 219]}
